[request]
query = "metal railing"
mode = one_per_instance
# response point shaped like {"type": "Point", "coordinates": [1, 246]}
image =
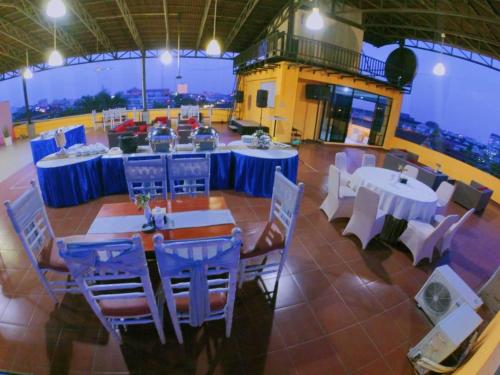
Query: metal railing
{"type": "Point", "coordinates": [277, 47]}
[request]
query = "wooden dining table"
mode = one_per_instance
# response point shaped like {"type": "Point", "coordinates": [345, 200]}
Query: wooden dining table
{"type": "Point", "coordinates": [172, 206]}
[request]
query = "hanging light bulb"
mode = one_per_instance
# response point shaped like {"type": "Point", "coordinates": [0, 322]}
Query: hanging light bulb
{"type": "Point", "coordinates": [315, 21]}
{"type": "Point", "coordinates": [55, 58]}
{"type": "Point", "coordinates": [213, 47]}
{"type": "Point", "coordinates": [27, 72]}
{"type": "Point", "coordinates": [439, 69]}
{"type": "Point", "coordinates": [55, 9]}
{"type": "Point", "coordinates": [166, 57]}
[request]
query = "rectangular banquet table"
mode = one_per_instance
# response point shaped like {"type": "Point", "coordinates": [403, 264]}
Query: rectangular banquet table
{"type": "Point", "coordinates": [42, 147]}
{"type": "Point", "coordinates": [172, 206]}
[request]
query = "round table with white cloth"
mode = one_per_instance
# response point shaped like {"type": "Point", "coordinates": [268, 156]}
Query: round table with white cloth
{"type": "Point", "coordinates": [411, 201]}
{"type": "Point", "coordinates": [273, 152]}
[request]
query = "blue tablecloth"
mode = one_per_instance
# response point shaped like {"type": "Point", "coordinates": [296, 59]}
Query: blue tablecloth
{"type": "Point", "coordinates": [70, 185]}
{"type": "Point", "coordinates": [114, 182]}
{"type": "Point", "coordinates": [255, 176]}
{"type": "Point", "coordinates": [43, 147]}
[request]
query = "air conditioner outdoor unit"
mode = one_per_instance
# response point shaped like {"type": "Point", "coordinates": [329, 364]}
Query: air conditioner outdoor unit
{"type": "Point", "coordinates": [443, 292]}
{"type": "Point", "coordinates": [444, 339]}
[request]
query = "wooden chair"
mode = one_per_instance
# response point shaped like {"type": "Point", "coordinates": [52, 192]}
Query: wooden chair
{"type": "Point", "coordinates": [146, 176]}
{"type": "Point", "coordinates": [199, 279]}
{"type": "Point", "coordinates": [113, 276]}
{"type": "Point", "coordinates": [189, 176]}
{"type": "Point", "coordinates": [29, 219]}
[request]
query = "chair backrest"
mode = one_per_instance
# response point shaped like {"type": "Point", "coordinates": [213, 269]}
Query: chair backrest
{"type": "Point", "coordinates": [194, 271]}
{"type": "Point", "coordinates": [285, 203]}
{"type": "Point", "coordinates": [146, 176]}
{"type": "Point", "coordinates": [365, 205]}
{"type": "Point", "coordinates": [445, 192]}
{"type": "Point", "coordinates": [109, 270]}
{"type": "Point", "coordinates": [450, 233]}
{"type": "Point", "coordinates": [29, 219]}
{"type": "Point", "coordinates": [369, 160]}
{"type": "Point", "coordinates": [189, 176]}
{"type": "Point", "coordinates": [334, 181]}
{"type": "Point", "coordinates": [410, 171]}
{"type": "Point", "coordinates": [341, 161]}
{"type": "Point", "coordinates": [441, 229]}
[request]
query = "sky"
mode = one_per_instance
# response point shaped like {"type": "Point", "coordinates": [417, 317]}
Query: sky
{"type": "Point", "coordinates": [465, 100]}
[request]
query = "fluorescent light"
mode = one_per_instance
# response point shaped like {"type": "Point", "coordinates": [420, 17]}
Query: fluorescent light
{"type": "Point", "coordinates": [27, 73]}
{"type": "Point", "coordinates": [213, 48]}
{"type": "Point", "coordinates": [439, 69]}
{"type": "Point", "coordinates": [315, 21]}
{"type": "Point", "coordinates": [55, 58]}
{"type": "Point", "coordinates": [166, 57]}
{"type": "Point", "coordinates": [55, 9]}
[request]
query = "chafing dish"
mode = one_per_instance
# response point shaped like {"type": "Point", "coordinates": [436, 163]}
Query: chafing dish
{"type": "Point", "coordinates": [162, 139]}
{"type": "Point", "coordinates": [205, 138]}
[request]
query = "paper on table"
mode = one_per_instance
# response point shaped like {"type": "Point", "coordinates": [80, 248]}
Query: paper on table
{"type": "Point", "coordinates": [188, 219]}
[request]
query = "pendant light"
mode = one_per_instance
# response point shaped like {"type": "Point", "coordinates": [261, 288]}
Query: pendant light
{"type": "Point", "coordinates": [55, 9]}
{"type": "Point", "coordinates": [55, 57]}
{"type": "Point", "coordinates": [27, 72]}
{"type": "Point", "coordinates": [166, 56]}
{"type": "Point", "coordinates": [314, 21]}
{"type": "Point", "coordinates": [213, 47]}
{"type": "Point", "coordinates": [439, 69]}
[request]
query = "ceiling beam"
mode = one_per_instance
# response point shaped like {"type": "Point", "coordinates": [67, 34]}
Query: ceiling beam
{"type": "Point", "coordinates": [19, 35]}
{"type": "Point", "coordinates": [127, 16]}
{"type": "Point", "coordinates": [242, 18]}
{"type": "Point", "coordinates": [28, 9]}
{"type": "Point", "coordinates": [89, 22]}
{"type": "Point", "coordinates": [12, 54]}
{"type": "Point", "coordinates": [202, 24]}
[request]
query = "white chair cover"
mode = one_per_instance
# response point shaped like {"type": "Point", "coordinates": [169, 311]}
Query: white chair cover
{"type": "Point", "coordinates": [31, 223]}
{"type": "Point", "coordinates": [117, 271]}
{"type": "Point", "coordinates": [369, 160]}
{"type": "Point", "coordinates": [444, 193]}
{"type": "Point", "coordinates": [367, 220]}
{"type": "Point", "coordinates": [341, 164]}
{"type": "Point", "coordinates": [189, 176]}
{"type": "Point", "coordinates": [146, 176]}
{"type": "Point", "coordinates": [340, 199]}
{"type": "Point", "coordinates": [445, 243]}
{"type": "Point", "coordinates": [421, 238]}
{"type": "Point", "coordinates": [410, 171]}
{"type": "Point", "coordinates": [197, 270]}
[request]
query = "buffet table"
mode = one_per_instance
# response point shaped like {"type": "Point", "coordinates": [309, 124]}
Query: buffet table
{"type": "Point", "coordinates": [69, 181]}
{"type": "Point", "coordinates": [41, 147]}
{"type": "Point", "coordinates": [254, 168]}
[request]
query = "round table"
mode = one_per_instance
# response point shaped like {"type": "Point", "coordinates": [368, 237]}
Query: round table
{"type": "Point", "coordinates": [69, 181]}
{"type": "Point", "coordinates": [411, 201]}
{"type": "Point", "coordinates": [254, 168]}
{"type": "Point", "coordinates": [41, 147]}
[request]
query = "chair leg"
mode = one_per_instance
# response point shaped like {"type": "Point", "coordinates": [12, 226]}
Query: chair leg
{"type": "Point", "coordinates": [241, 273]}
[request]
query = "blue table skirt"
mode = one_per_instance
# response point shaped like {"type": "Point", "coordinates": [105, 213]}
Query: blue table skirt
{"type": "Point", "coordinates": [255, 176]}
{"type": "Point", "coordinates": [71, 185]}
{"type": "Point", "coordinates": [43, 147]}
{"type": "Point", "coordinates": [114, 182]}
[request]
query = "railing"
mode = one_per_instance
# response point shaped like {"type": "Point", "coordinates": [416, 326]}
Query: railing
{"type": "Point", "coordinates": [277, 47]}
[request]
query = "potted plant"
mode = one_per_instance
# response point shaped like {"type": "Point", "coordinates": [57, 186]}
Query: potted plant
{"type": "Point", "coordinates": [142, 203]}
{"type": "Point", "coordinates": [7, 139]}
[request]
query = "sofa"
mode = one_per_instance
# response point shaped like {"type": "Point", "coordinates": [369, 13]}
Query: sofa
{"type": "Point", "coordinates": [474, 195]}
{"type": "Point", "coordinates": [129, 127]}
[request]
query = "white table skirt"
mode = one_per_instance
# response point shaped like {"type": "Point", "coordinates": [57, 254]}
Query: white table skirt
{"type": "Point", "coordinates": [411, 201]}
{"type": "Point", "coordinates": [272, 153]}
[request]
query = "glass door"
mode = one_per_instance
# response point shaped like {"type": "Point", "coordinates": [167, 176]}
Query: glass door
{"type": "Point", "coordinates": [380, 120]}
{"type": "Point", "coordinates": [336, 115]}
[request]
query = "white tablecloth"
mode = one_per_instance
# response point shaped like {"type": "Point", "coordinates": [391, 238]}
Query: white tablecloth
{"type": "Point", "coordinates": [273, 153]}
{"type": "Point", "coordinates": [50, 162]}
{"type": "Point", "coordinates": [411, 201]}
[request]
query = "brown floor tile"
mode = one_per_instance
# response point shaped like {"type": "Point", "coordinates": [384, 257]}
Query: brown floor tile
{"type": "Point", "coordinates": [377, 367]}
{"type": "Point", "coordinates": [332, 313]}
{"type": "Point", "coordinates": [19, 310]}
{"type": "Point", "coordinates": [348, 250]}
{"type": "Point", "coordinates": [342, 277]}
{"type": "Point", "coordinates": [383, 331]}
{"type": "Point", "coordinates": [297, 324]}
{"type": "Point", "coordinates": [398, 362]}
{"type": "Point", "coordinates": [387, 295]}
{"type": "Point", "coordinates": [271, 364]}
{"type": "Point", "coordinates": [316, 358]}
{"type": "Point", "coordinates": [325, 255]}
{"type": "Point", "coordinates": [313, 284]}
{"type": "Point", "coordinates": [362, 303]}
{"type": "Point", "coordinates": [288, 292]}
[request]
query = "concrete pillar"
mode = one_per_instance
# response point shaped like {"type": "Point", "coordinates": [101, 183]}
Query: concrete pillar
{"type": "Point", "coordinates": [31, 126]}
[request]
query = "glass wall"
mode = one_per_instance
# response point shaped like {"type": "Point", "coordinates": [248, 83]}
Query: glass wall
{"type": "Point", "coordinates": [354, 117]}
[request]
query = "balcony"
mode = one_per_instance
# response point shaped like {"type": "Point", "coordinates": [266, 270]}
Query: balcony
{"type": "Point", "coordinates": [277, 47]}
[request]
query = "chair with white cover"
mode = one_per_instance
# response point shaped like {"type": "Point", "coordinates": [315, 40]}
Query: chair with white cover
{"type": "Point", "coordinates": [369, 160]}
{"type": "Point", "coordinates": [268, 255]}
{"type": "Point", "coordinates": [146, 176]}
{"type": "Point", "coordinates": [445, 242]}
{"type": "Point", "coordinates": [29, 219]}
{"type": "Point", "coordinates": [189, 176]}
{"type": "Point", "coordinates": [341, 164]}
{"type": "Point", "coordinates": [421, 238]}
{"type": "Point", "coordinates": [199, 279]}
{"type": "Point", "coordinates": [444, 193]}
{"type": "Point", "coordinates": [114, 279]}
{"type": "Point", "coordinates": [410, 171]}
{"type": "Point", "coordinates": [340, 199]}
{"type": "Point", "coordinates": [367, 220]}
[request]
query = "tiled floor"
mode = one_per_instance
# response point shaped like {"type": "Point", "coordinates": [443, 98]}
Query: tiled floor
{"type": "Point", "coordinates": [339, 310]}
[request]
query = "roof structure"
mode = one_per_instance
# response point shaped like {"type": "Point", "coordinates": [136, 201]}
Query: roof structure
{"type": "Point", "coordinates": [98, 26]}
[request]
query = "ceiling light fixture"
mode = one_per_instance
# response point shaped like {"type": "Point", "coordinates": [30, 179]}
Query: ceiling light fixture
{"type": "Point", "coordinates": [314, 20]}
{"type": "Point", "coordinates": [166, 56]}
{"type": "Point", "coordinates": [55, 9]}
{"type": "Point", "coordinates": [27, 72]}
{"type": "Point", "coordinates": [439, 69]}
{"type": "Point", "coordinates": [213, 47]}
{"type": "Point", "coordinates": [55, 57]}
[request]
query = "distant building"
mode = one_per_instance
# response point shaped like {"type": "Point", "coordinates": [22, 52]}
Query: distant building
{"type": "Point", "coordinates": [153, 96]}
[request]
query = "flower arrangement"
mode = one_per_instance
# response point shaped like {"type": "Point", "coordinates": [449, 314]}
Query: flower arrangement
{"type": "Point", "coordinates": [263, 139]}
{"type": "Point", "coordinates": [142, 200]}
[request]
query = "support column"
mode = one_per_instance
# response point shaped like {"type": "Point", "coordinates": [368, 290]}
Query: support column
{"type": "Point", "coordinates": [145, 115]}
{"type": "Point", "coordinates": [291, 25]}
{"type": "Point", "coordinates": [30, 125]}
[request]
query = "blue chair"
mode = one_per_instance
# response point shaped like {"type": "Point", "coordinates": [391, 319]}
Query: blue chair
{"type": "Point", "coordinates": [146, 176]}
{"type": "Point", "coordinates": [189, 176]}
